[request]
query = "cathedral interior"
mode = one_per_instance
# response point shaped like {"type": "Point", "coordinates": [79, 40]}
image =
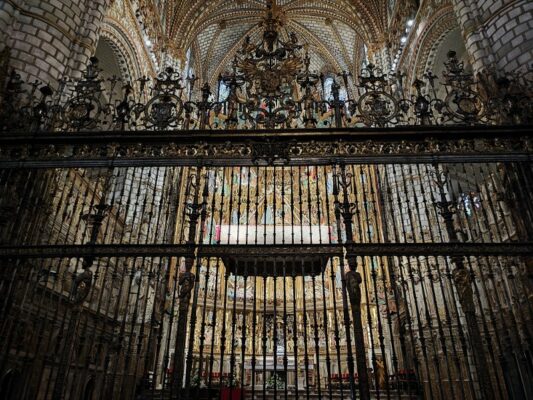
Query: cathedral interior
{"type": "Point", "coordinates": [266, 199]}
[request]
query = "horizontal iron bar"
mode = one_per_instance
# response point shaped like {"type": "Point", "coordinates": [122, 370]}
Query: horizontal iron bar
{"type": "Point", "coordinates": [420, 133]}
{"type": "Point", "coordinates": [265, 251]}
{"type": "Point", "coordinates": [229, 162]}
{"type": "Point", "coordinates": [293, 147]}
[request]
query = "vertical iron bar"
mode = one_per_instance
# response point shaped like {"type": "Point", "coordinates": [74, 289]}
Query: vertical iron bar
{"type": "Point", "coordinates": [196, 237]}
{"type": "Point", "coordinates": [275, 328]}
{"type": "Point", "coordinates": [152, 343]}
{"type": "Point", "coordinates": [452, 293]}
{"type": "Point", "coordinates": [264, 338]}
{"type": "Point", "coordinates": [134, 316]}
{"type": "Point", "coordinates": [421, 237]}
{"type": "Point", "coordinates": [304, 323]}
{"type": "Point", "coordinates": [353, 282]}
{"type": "Point", "coordinates": [387, 278]}
{"type": "Point", "coordinates": [232, 373]}
{"type": "Point", "coordinates": [187, 282]}
{"type": "Point", "coordinates": [201, 370]}
{"type": "Point", "coordinates": [428, 194]}
{"type": "Point", "coordinates": [336, 333]}
{"type": "Point", "coordinates": [61, 382]}
{"type": "Point", "coordinates": [170, 282]}
{"type": "Point", "coordinates": [316, 338]}
{"type": "Point", "coordinates": [400, 236]}
{"type": "Point", "coordinates": [223, 333]}
{"type": "Point", "coordinates": [295, 325]}
{"type": "Point", "coordinates": [243, 334]}
{"type": "Point", "coordinates": [325, 313]}
{"type": "Point", "coordinates": [285, 338]}
{"type": "Point", "coordinates": [365, 178]}
{"type": "Point", "coordinates": [254, 325]}
{"type": "Point", "coordinates": [463, 284]}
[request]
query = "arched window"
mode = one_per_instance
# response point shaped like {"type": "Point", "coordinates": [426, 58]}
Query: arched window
{"type": "Point", "coordinates": [89, 389]}
{"type": "Point", "coordinates": [187, 65]}
{"type": "Point", "coordinates": [365, 56]}
{"type": "Point", "coordinates": [10, 385]}
{"type": "Point", "coordinates": [328, 93]}
{"type": "Point", "coordinates": [223, 92]}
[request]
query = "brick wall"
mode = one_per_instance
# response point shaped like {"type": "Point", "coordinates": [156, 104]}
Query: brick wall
{"type": "Point", "coordinates": [50, 39]}
{"type": "Point", "coordinates": [498, 33]}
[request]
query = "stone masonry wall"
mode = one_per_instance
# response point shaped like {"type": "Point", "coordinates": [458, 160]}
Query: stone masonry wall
{"type": "Point", "coordinates": [498, 33]}
{"type": "Point", "coordinates": [50, 39]}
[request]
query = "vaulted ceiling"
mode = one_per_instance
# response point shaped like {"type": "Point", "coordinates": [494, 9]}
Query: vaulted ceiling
{"type": "Point", "coordinates": [213, 30]}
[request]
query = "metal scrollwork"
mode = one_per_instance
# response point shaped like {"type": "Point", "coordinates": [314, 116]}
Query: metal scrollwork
{"type": "Point", "coordinates": [463, 102]}
{"type": "Point", "coordinates": [85, 110]}
{"type": "Point", "coordinates": [269, 149]}
{"type": "Point", "coordinates": [377, 106]}
{"type": "Point", "coordinates": [270, 152]}
{"type": "Point", "coordinates": [165, 109]}
{"type": "Point", "coordinates": [269, 85]}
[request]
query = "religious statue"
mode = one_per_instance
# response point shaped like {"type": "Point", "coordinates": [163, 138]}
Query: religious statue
{"type": "Point", "coordinates": [380, 373]}
{"type": "Point", "coordinates": [353, 280]}
{"type": "Point", "coordinates": [463, 284]}
{"type": "Point", "coordinates": [186, 284]}
{"type": "Point", "coordinates": [82, 286]}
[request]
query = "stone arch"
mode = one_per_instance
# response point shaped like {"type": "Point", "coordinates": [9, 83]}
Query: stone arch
{"type": "Point", "coordinates": [111, 61]}
{"type": "Point", "coordinates": [123, 49]}
{"type": "Point", "coordinates": [427, 49]}
{"type": "Point", "coordinates": [11, 385]}
{"type": "Point", "coordinates": [89, 388]}
{"type": "Point", "coordinates": [437, 55]}
{"type": "Point", "coordinates": [445, 35]}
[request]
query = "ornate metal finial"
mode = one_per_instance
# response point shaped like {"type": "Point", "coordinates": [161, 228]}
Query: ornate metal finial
{"type": "Point", "coordinates": [272, 63]}
{"type": "Point", "coordinates": [463, 103]}
{"type": "Point", "coordinates": [377, 106]}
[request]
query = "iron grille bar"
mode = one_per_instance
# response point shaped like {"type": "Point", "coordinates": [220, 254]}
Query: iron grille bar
{"type": "Point", "coordinates": [266, 251]}
{"type": "Point", "coordinates": [404, 279]}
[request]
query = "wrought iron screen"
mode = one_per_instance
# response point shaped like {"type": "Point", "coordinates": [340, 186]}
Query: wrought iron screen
{"type": "Point", "coordinates": [162, 241]}
{"type": "Point", "coordinates": [360, 273]}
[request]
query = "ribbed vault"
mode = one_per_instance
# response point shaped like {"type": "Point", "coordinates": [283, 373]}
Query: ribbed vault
{"type": "Point", "coordinates": [334, 30]}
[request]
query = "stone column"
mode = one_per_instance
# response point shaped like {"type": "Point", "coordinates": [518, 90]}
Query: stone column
{"type": "Point", "coordinates": [50, 39]}
{"type": "Point", "coordinates": [498, 34]}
